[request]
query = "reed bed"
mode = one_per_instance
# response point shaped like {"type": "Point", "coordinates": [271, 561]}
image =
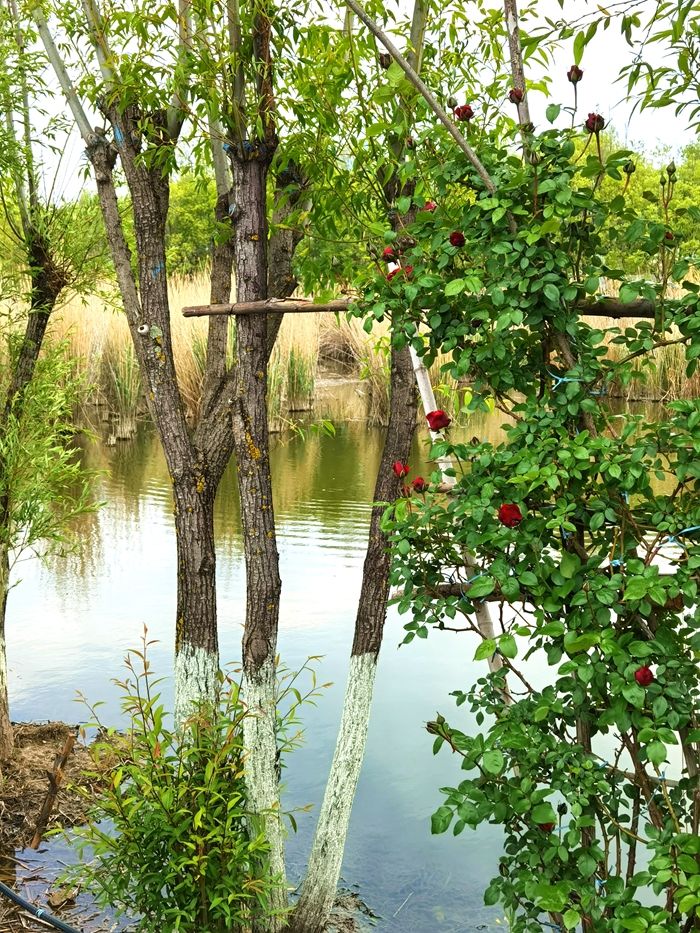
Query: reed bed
{"type": "Point", "coordinates": [98, 336]}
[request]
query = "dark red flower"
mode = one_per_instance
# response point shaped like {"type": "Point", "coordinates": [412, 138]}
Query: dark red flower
{"type": "Point", "coordinates": [410, 142]}
{"type": "Point", "coordinates": [400, 469]}
{"type": "Point", "coordinates": [644, 676]}
{"type": "Point", "coordinates": [419, 484]}
{"type": "Point", "coordinates": [595, 123]}
{"type": "Point", "coordinates": [457, 238]}
{"type": "Point", "coordinates": [574, 74]}
{"type": "Point", "coordinates": [438, 420]}
{"type": "Point", "coordinates": [388, 254]}
{"type": "Point", "coordinates": [515, 95]}
{"type": "Point", "coordinates": [546, 827]}
{"type": "Point", "coordinates": [509, 515]}
{"type": "Point", "coordinates": [464, 112]}
{"type": "Point", "coordinates": [429, 206]}
{"type": "Point", "coordinates": [384, 60]}
{"type": "Point", "coordinates": [669, 238]}
{"type": "Point", "coordinates": [407, 271]}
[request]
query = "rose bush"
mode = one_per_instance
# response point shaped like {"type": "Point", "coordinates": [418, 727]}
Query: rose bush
{"type": "Point", "coordinates": [602, 579]}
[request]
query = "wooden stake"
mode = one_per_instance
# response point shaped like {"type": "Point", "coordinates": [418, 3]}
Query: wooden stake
{"type": "Point", "coordinates": [55, 778]}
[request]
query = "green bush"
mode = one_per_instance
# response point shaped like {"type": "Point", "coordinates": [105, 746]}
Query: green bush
{"type": "Point", "coordinates": [169, 838]}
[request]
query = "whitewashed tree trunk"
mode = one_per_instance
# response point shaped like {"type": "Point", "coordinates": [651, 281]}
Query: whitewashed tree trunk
{"type": "Point", "coordinates": [262, 781]}
{"type": "Point", "coordinates": [482, 613]}
{"type": "Point", "coordinates": [321, 881]}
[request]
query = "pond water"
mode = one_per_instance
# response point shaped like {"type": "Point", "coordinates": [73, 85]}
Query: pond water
{"type": "Point", "coordinates": [71, 621]}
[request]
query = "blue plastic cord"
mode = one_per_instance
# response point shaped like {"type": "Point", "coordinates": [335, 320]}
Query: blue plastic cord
{"type": "Point", "coordinates": [118, 136]}
{"type": "Point", "coordinates": [560, 380]}
{"type": "Point", "coordinates": [680, 534]}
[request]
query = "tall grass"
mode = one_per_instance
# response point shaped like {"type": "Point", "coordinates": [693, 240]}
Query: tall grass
{"type": "Point", "coordinates": [99, 339]}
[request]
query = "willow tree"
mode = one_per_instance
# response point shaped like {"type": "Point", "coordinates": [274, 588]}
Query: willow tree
{"type": "Point", "coordinates": [37, 396]}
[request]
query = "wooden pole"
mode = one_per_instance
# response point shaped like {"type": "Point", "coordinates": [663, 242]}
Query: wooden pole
{"type": "Point", "coordinates": [591, 307]}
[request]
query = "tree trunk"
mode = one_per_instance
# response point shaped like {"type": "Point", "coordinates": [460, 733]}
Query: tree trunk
{"type": "Point", "coordinates": [321, 881]}
{"type": "Point", "coordinates": [263, 584]}
{"type": "Point", "coordinates": [6, 731]}
{"type": "Point", "coordinates": [194, 479]}
{"type": "Point", "coordinates": [196, 647]}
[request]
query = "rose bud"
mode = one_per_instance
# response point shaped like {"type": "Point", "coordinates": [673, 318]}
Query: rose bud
{"type": "Point", "coordinates": [629, 168]}
{"type": "Point", "coordinates": [410, 142]}
{"type": "Point", "coordinates": [388, 254]}
{"type": "Point", "coordinates": [644, 676]}
{"type": "Point", "coordinates": [452, 103]}
{"type": "Point", "coordinates": [515, 95]}
{"type": "Point", "coordinates": [464, 112]}
{"type": "Point", "coordinates": [438, 420]}
{"type": "Point", "coordinates": [457, 238]}
{"type": "Point", "coordinates": [429, 206]}
{"type": "Point", "coordinates": [419, 484]}
{"type": "Point", "coordinates": [668, 236]}
{"type": "Point", "coordinates": [671, 168]}
{"type": "Point", "coordinates": [574, 74]}
{"type": "Point", "coordinates": [384, 60]}
{"type": "Point", "coordinates": [400, 469]}
{"type": "Point", "coordinates": [546, 827]}
{"type": "Point", "coordinates": [509, 515]}
{"type": "Point", "coordinates": [408, 271]}
{"type": "Point", "coordinates": [595, 123]}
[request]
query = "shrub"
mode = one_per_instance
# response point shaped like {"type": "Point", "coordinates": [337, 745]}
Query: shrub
{"type": "Point", "coordinates": [169, 837]}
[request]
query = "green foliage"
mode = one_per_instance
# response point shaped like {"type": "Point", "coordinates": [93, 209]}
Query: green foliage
{"type": "Point", "coordinates": [40, 472]}
{"type": "Point", "coordinates": [170, 839]}
{"type": "Point", "coordinates": [601, 570]}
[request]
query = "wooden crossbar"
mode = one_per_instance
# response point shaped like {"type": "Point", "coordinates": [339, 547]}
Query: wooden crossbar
{"type": "Point", "coordinates": [592, 307]}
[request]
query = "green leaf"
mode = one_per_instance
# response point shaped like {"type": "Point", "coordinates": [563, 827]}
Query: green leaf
{"type": "Point", "coordinates": [552, 112]}
{"type": "Point", "coordinates": [634, 695]}
{"type": "Point", "coordinates": [507, 646]}
{"type": "Point", "coordinates": [551, 293]}
{"type": "Point", "coordinates": [493, 761]}
{"type": "Point", "coordinates": [543, 813]}
{"type": "Point", "coordinates": [485, 650]}
{"type": "Point", "coordinates": [454, 287]}
{"type": "Point", "coordinates": [571, 919]}
{"type": "Point", "coordinates": [481, 586]}
{"type": "Point", "coordinates": [440, 820]}
{"type": "Point", "coordinates": [656, 752]}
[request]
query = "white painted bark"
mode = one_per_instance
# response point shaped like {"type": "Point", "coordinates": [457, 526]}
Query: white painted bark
{"type": "Point", "coordinates": [262, 782]}
{"type": "Point", "coordinates": [196, 671]}
{"type": "Point", "coordinates": [319, 888]}
{"type": "Point", "coordinates": [482, 613]}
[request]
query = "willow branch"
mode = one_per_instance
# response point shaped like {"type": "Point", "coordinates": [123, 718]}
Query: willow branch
{"type": "Point", "coordinates": [425, 92]}
{"type": "Point", "coordinates": [86, 131]}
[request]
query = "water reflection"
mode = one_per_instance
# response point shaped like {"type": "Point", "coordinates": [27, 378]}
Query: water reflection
{"type": "Point", "coordinates": [72, 620]}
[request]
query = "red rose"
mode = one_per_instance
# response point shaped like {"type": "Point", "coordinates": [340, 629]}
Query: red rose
{"type": "Point", "coordinates": [574, 74]}
{"type": "Point", "coordinates": [644, 676]}
{"type": "Point", "coordinates": [388, 254]}
{"type": "Point", "coordinates": [400, 469]}
{"type": "Point", "coordinates": [515, 95]}
{"type": "Point", "coordinates": [429, 206]}
{"type": "Point", "coordinates": [419, 484]}
{"type": "Point", "coordinates": [595, 123]}
{"type": "Point", "coordinates": [546, 827]}
{"type": "Point", "coordinates": [407, 270]}
{"type": "Point", "coordinates": [464, 112]}
{"type": "Point", "coordinates": [457, 238]}
{"type": "Point", "coordinates": [509, 515]}
{"type": "Point", "coordinates": [438, 420]}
